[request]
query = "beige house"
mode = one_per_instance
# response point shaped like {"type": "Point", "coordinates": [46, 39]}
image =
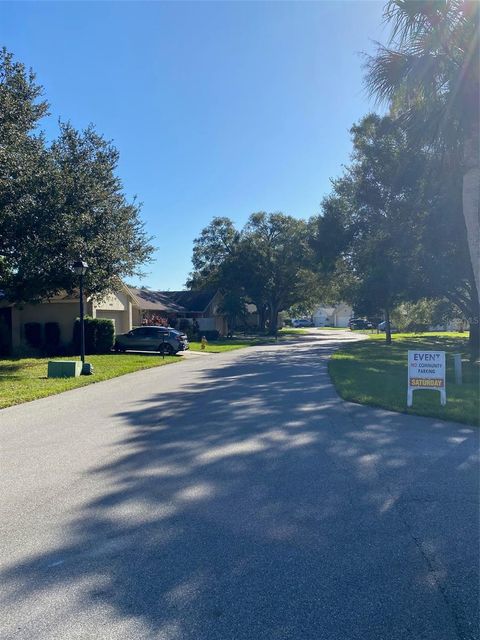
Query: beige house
{"type": "Point", "coordinates": [126, 308]}
{"type": "Point", "coordinates": [64, 310]}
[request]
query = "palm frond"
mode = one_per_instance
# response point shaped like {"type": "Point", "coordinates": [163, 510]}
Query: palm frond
{"type": "Point", "coordinates": [412, 18]}
{"type": "Point", "coordinates": [390, 72]}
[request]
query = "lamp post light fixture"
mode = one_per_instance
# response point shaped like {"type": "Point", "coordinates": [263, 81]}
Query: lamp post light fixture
{"type": "Point", "coordinates": [80, 268]}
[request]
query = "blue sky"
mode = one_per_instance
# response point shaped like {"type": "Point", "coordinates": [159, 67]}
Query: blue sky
{"type": "Point", "coordinates": [217, 108]}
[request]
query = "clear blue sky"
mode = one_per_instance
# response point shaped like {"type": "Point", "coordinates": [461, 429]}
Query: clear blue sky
{"type": "Point", "coordinates": [217, 108]}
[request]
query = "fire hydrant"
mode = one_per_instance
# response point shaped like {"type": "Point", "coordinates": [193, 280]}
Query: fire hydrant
{"type": "Point", "coordinates": [203, 343]}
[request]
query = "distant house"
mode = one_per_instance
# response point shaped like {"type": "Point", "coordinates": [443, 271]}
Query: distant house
{"type": "Point", "coordinates": [151, 306]}
{"type": "Point", "coordinates": [202, 306]}
{"type": "Point", "coordinates": [332, 315]}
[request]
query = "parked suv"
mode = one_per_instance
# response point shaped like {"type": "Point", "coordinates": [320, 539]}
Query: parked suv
{"type": "Point", "coordinates": [163, 339]}
{"type": "Point", "coordinates": [359, 323]}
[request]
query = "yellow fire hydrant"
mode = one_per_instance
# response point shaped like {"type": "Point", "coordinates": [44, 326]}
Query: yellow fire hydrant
{"type": "Point", "coordinates": [203, 343]}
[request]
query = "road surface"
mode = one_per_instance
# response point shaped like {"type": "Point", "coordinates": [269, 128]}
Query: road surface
{"type": "Point", "coordinates": [235, 497]}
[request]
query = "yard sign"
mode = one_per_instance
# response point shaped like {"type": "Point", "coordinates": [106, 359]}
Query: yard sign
{"type": "Point", "coordinates": [426, 370]}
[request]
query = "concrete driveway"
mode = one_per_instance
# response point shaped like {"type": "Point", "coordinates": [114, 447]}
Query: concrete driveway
{"type": "Point", "coordinates": [235, 497]}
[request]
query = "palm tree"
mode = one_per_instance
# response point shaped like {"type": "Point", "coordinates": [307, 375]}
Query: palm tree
{"type": "Point", "coordinates": [429, 74]}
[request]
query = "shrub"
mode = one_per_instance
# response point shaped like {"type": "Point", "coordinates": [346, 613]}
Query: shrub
{"type": "Point", "coordinates": [24, 351]}
{"type": "Point", "coordinates": [33, 334]}
{"type": "Point", "coordinates": [105, 335]}
{"type": "Point", "coordinates": [5, 346]}
{"type": "Point", "coordinates": [52, 335]}
{"type": "Point", "coordinates": [99, 335]}
{"type": "Point", "coordinates": [184, 325]}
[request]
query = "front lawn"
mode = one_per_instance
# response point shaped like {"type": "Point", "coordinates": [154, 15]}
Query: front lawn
{"type": "Point", "coordinates": [218, 346]}
{"type": "Point", "coordinates": [239, 341]}
{"type": "Point", "coordinates": [26, 379]}
{"type": "Point", "coordinates": [373, 373]}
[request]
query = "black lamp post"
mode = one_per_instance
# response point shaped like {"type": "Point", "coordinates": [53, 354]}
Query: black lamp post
{"type": "Point", "coordinates": [80, 268]}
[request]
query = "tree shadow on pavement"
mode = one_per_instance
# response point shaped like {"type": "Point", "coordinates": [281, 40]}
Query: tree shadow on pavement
{"type": "Point", "coordinates": [255, 504]}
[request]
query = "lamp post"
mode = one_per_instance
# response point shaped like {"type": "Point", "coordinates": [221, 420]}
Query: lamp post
{"type": "Point", "coordinates": [80, 268]}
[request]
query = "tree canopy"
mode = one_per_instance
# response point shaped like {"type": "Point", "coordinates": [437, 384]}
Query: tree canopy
{"type": "Point", "coordinates": [269, 262]}
{"type": "Point", "coordinates": [59, 201]}
{"type": "Point", "coordinates": [402, 235]}
{"type": "Point", "coordinates": [428, 74]}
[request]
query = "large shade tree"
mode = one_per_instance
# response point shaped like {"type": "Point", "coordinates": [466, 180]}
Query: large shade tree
{"type": "Point", "coordinates": [59, 201]}
{"type": "Point", "coordinates": [429, 75]}
{"type": "Point", "coordinates": [392, 228]}
{"type": "Point", "coordinates": [268, 262]}
{"type": "Point", "coordinates": [371, 204]}
{"type": "Point", "coordinates": [280, 262]}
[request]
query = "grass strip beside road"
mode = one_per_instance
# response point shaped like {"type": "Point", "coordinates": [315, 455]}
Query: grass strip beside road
{"type": "Point", "coordinates": [240, 342]}
{"type": "Point", "coordinates": [373, 373]}
{"type": "Point", "coordinates": [26, 379]}
{"type": "Point", "coordinates": [219, 346]}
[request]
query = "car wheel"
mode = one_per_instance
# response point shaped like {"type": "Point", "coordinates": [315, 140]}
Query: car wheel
{"type": "Point", "coordinates": [166, 349]}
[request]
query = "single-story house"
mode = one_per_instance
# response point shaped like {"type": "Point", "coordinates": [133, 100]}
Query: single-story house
{"type": "Point", "coordinates": [64, 309]}
{"type": "Point", "coordinates": [202, 306]}
{"type": "Point", "coordinates": [150, 306]}
{"type": "Point", "coordinates": [126, 308]}
{"type": "Point", "coordinates": [332, 315]}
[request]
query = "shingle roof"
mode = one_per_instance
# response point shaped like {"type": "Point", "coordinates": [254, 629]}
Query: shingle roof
{"type": "Point", "coordinates": [191, 301]}
{"type": "Point", "coordinates": [156, 301]}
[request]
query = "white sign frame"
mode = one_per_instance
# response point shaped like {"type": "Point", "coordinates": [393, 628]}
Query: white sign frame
{"type": "Point", "coordinates": [426, 370]}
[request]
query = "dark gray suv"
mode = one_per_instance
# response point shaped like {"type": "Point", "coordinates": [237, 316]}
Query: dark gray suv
{"type": "Point", "coordinates": [162, 339]}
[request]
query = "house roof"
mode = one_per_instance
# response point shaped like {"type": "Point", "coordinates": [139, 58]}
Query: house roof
{"type": "Point", "coordinates": [191, 301]}
{"type": "Point", "coordinates": [155, 301]}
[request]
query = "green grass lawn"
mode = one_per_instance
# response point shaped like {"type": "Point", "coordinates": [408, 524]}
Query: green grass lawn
{"type": "Point", "coordinates": [219, 346]}
{"type": "Point", "coordinates": [22, 380]}
{"type": "Point", "coordinates": [240, 342]}
{"type": "Point", "coordinates": [373, 373]}
{"type": "Point", "coordinates": [26, 379]}
{"type": "Point", "coordinates": [291, 331]}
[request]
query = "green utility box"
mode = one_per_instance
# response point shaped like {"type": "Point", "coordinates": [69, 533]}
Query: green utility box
{"type": "Point", "coordinates": [64, 369]}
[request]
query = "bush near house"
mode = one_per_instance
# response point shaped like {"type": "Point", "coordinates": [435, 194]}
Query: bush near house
{"type": "Point", "coordinates": [99, 335]}
{"type": "Point", "coordinates": [186, 327]}
{"type": "Point", "coordinates": [5, 346]}
{"type": "Point", "coordinates": [33, 334]}
{"type": "Point", "coordinates": [52, 337]}
{"type": "Point", "coordinates": [104, 336]}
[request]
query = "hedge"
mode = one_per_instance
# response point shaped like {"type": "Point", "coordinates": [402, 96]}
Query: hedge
{"type": "Point", "coordinates": [99, 335]}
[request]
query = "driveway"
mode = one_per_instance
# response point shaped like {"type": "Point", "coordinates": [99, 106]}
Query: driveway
{"type": "Point", "coordinates": [235, 497]}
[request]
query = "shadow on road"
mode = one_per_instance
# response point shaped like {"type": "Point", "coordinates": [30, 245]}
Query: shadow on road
{"type": "Point", "coordinates": [255, 504]}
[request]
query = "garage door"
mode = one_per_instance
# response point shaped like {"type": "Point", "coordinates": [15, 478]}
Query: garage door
{"type": "Point", "coordinates": [115, 317]}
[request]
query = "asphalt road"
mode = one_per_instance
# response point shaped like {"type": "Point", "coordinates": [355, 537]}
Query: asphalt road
{"type": "Point", "coordinates": [235, 497]}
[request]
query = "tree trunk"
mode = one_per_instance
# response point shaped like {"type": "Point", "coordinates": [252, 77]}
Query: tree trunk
{"type": "Point", "coordinates": [474, 340]}
{"type": "Point", "coordinates": [388, 329]}
{"type": "Point", "coordinates": [261, 316]}
{"type": "Point", "coordinates": [471, 198]}
{"type": "Point", "coordinates": [272, 330]}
